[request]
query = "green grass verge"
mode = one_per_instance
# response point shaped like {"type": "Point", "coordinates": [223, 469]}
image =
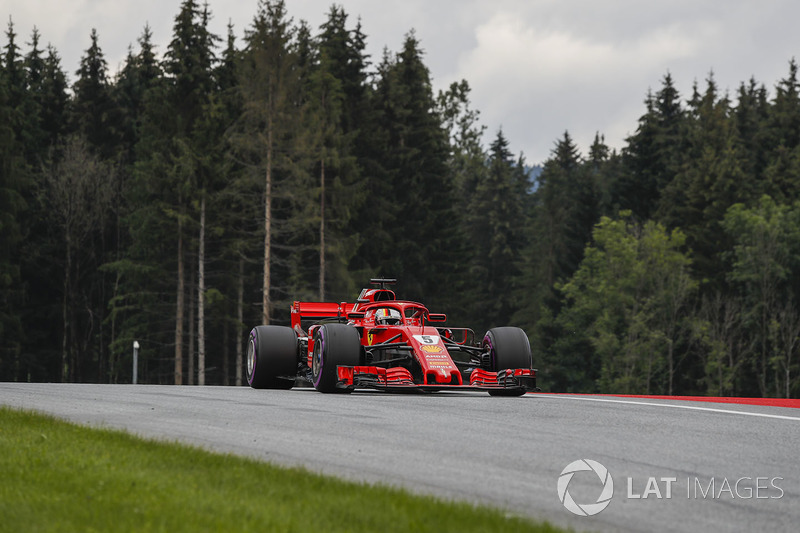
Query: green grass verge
{"type": "Point", "coordinates": [57, 476]}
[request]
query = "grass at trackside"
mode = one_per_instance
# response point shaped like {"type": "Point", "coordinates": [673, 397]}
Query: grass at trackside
{"type": "Point", "coordinates": [56, 476]}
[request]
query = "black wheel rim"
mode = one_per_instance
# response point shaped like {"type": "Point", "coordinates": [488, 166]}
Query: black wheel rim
{"type": "Point", "coordinates": [316, 359]}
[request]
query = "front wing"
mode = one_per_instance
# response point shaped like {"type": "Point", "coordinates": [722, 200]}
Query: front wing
{"type": "Point", "coordinates": [399, 379]}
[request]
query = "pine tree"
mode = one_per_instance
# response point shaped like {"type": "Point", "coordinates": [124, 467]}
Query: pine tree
{"type": "Point", "coordinates": [361, 122]}
{"type": "Point", "coordinates": [21, 160]}
{"type": "Point", "coordinates": [782, 131]}
{"type": "Point", "coordinates": [35, 82]}
{"type": "Point", "coordinates": [225, 75]}
{"type": "Point", "coordinates": [214, 179]}
{"type": "Point", "coordinates": [13, 181]}
{"type": "Point", "coordinates": [24, 110]}
{"type": "Point", "coordinates": [371, 146]}
{"type": "Point", "coordinates": [137, 87]}
{"type": "Point", "coordinates": [418, 246]}
{"type": "Point", "coordinates": [336, 88]}
{"type": "Point", "coordinates": [94, 111]}
{"type": "Point", "coordinates": [653, 154]}
{"type": "Point", "coordinates": [606, 167]}
{"type": "Point", "coordinates": [564, 210]}
{"type": "Point", "coordinates": [710, 181]}
{"type": "Point", "coordinates": [347, 62]}
{"type": "Point", "coordinates": [784, 117]}
{"type": "Point", "coordinates": [265, 133]}
{"type": "Point", "coordinates": [467, 164]}
{"type": "Point", "coordinates": [97, 118]}
{"type": "Point", "coordinates": [750, 116]}
{"type": "Point", "coordinates": [236, 213]}
{"type": "Point", "coordinates": [188, 63]}
{"type": "Point", "coordinates": [467, 156]}
{"type": "Point", "coordinates": [139, 74]}
{"type": "Point", "coordinates": [14, 74]}
{"type": "Point", "coordinates": [326, 96]}
{"type": "Point", "coordinates": [496, 231]}
{"type": "Point", "coordinates": [55, 101]}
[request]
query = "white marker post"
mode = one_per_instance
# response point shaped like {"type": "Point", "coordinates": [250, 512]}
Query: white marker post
{"type": "Point", "coordinates": [135, 361]}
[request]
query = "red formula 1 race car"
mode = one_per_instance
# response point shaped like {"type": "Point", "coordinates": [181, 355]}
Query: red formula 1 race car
{"type": "Point", "coordinates": [384, 343]}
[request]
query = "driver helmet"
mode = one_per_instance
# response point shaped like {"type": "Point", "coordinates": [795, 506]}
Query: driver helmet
{"type": "Point", "coordinates": [387, 316]}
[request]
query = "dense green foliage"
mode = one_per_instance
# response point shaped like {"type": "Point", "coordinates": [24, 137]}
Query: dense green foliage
{"type": "Point", "coordinates": [62, 477]}
{"type": "Point", "coordinates": [189, 197]}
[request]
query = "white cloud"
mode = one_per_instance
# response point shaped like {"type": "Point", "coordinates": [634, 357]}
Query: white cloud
{"type": "Point", "coordinates": [538, 81]}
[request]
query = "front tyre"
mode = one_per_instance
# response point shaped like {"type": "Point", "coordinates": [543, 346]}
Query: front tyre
{"type": "Point", "coordinates": [272, 357]}
{"type": "Point", "coordinates": [334, 345]}
{"type": "Point", "coordinates": [509, 348]}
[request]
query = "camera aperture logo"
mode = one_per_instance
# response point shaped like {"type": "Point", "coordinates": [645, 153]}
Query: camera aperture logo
{"type": "Point", "coordinates": [656, 487]}
{"type": "Point", "coordinates": [606, 493]}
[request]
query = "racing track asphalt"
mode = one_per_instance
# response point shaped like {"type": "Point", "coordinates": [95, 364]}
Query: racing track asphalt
{"type": "Point", "coordinates": [507, 452]}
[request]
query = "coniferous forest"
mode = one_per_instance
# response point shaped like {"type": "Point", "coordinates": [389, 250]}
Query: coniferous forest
{"type": "Point", "coordinates": [201, 189]}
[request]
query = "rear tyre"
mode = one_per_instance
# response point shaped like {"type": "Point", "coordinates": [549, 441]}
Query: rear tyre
{"type": "Point", "coordinates": [334, 345]}
{"type": "Point", "coordinates": [508, 347]}
{"type": "Point", "coordinates": [272, 357]}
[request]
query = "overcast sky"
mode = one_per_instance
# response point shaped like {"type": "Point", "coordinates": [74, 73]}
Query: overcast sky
{"type": "Point", "coordinates": [536, 67]}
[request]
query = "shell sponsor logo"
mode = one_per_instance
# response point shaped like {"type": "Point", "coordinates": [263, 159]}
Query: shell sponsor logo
{"type": "Point", "coordinates": [431, 348]}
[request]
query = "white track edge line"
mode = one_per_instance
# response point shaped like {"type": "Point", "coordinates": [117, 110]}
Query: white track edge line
{"type": "Point", "coordinates": [692, 407]}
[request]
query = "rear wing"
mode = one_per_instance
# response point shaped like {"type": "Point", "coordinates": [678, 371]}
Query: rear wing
{"type": "Point", "coordinates": [313, 311]}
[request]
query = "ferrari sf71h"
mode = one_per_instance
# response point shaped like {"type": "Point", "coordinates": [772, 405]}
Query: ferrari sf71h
{"type": "Point", "coordinates": [380, 342]}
